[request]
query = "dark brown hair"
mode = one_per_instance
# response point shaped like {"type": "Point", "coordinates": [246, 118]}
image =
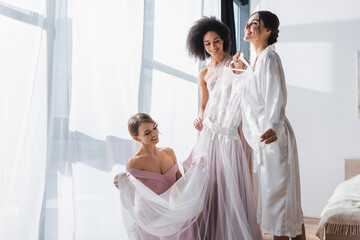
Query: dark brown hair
{"type": "Point", "coordinates": [135, 121]}
{"type": "Point", "coordinates": [195, 38]}
{"type": "Point", "coordinates": [271, 21]}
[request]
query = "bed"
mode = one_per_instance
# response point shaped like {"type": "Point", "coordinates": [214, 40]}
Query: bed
{"type": "Point", "coordinates": [340, 218]}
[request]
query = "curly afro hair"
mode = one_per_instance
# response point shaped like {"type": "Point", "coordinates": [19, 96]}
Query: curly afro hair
{"type": "Point", "coordinates": [194, 41]}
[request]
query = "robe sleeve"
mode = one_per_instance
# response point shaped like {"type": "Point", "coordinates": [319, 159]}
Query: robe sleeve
{"type": "Point", "coordinates": [274, 90]}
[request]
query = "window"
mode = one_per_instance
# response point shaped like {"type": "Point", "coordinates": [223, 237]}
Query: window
{"type": "Point", "coordinates": [241, 14]}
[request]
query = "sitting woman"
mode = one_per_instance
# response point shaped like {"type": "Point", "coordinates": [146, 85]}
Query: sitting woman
{"type": "Point", "coordinates": [157, 169]}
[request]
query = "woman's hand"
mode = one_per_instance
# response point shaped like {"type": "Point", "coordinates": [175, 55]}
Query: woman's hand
{"type": "Point", "coordinates": [269, 136]}
{"type": "Point", "coordinates": [198, 124]}
{"type": "Point", "coordinates": [116, 181]}
{"type": "Point", "coordinates": [238, 64]}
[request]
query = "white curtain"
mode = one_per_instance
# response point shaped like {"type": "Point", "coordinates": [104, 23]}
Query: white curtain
{"type": "Point", "coordinates": [23, 117]}
{"type": "Point", "coordinates": [72, 73]}
{"type": "Point", "coordinates": [99, 47]}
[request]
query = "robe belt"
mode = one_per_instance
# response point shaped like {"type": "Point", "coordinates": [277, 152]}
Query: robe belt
{"type": "Point", "coordinates": [259, 157]}
{"type": "Point", "coordinates": [216, 128]}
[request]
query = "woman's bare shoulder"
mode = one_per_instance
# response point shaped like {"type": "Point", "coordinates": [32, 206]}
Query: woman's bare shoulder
{"type": "Point", "coordinates": [203, 72]}
{"type": "Point", "coordinates": [170, 152]}
{"type": "Point", "coordinates": [135, 161]}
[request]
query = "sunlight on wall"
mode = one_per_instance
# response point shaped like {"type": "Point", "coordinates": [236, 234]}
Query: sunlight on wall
{"type": "Point", "coordinates": [300, 13]}
{"type": "Point", "coordinates": [317, 46]}
{"type": "Point", "coordinates": [312, 72]}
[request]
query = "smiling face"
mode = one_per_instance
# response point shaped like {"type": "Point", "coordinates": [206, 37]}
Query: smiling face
{"type": "Point", "coordinates": [148, 133]}
{"type": "Point", "coordinates": [255, 32]}
{"type": "Point", "coordinates": [213, 44]}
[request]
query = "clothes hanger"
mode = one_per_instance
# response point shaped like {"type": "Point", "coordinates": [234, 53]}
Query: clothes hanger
{"type": "Point", "coordinates": [241, 58]}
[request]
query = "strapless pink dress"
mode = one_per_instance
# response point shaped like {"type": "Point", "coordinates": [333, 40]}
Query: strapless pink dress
{"type": "Point", "coordinates": [157, 182]}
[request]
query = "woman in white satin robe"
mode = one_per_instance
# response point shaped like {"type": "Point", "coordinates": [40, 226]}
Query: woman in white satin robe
{"type": "Point", "coordinates": [269, 133]}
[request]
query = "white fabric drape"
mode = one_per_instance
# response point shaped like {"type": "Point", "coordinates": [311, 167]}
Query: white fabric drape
{"type": "Point", "coordinates": [171, 215]}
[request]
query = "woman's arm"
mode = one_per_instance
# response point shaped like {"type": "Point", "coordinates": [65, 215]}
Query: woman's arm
{"type": "Point", "coordinates": [129, 164]}
{"type": "Point", "coordinates": [204, 97]}
{"type": "Point", "coordinates": [274, 90]}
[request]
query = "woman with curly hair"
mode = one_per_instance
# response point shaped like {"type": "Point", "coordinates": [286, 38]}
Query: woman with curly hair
{"type": "Point", "coordinates": [230, 211]}
{"type": "Point", "coordinates": [208, 37]}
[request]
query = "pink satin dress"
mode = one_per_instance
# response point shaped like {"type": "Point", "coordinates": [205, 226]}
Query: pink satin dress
{"type": "Point", "coordinates": [157, 182]}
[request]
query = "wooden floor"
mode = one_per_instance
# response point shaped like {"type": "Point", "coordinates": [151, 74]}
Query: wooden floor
{"type": "Point", "coordinates": [310, 228]}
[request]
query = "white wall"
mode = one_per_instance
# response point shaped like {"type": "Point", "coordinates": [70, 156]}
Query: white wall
{"type": "Point", "coordinates": [318, 45]}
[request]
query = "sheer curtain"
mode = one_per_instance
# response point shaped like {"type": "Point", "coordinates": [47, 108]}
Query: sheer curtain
{"type": "Point", "coordinates": [23, 117]}
{"type": "Point", "coordinates": [72, 73]}
{"type": "Point", "coordinates": [100, 49]}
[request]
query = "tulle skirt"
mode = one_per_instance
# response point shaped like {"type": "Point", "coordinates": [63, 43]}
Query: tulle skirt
{"type": "Point", "coordinates": [230, 210]}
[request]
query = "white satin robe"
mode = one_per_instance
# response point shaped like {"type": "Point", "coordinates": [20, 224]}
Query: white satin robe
{"type": "Point", "coordinates": [279, 201]}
